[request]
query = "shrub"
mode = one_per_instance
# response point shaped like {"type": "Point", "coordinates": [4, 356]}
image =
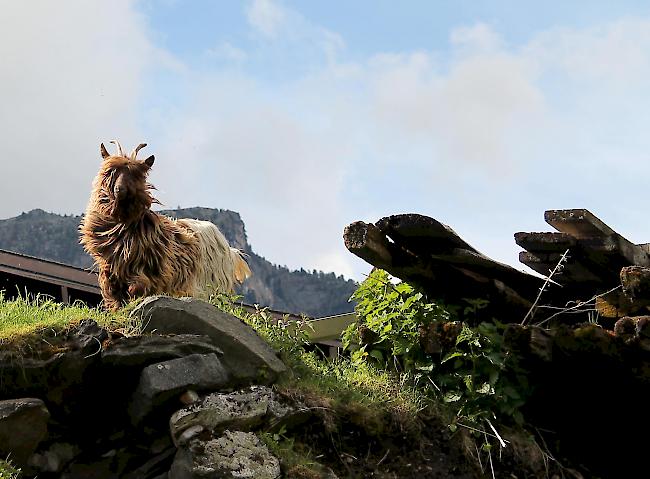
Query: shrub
{"type": "Point", "coordinates": [465, 367]}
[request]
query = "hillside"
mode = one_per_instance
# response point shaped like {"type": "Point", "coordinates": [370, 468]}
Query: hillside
{"type": "Point", "coordinates": [55, 237]}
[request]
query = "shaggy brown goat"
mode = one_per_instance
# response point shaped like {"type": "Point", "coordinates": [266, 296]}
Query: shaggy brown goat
{"type": "Point", "coordinates": [140, 252]}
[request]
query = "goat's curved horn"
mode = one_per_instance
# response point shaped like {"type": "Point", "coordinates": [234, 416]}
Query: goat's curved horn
{"type": "Point", "coordinates": [119, 147]}
{"type": "Point", "coordinates": [134, 153]}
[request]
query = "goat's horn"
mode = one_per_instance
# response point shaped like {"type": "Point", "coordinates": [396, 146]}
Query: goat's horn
{"type": "Point", "coordinates": [119, 147]}
{"type": "Point", "coordinates": [134, 153]}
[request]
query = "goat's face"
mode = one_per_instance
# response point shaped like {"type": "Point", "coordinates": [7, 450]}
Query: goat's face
{"type": "Point", "coordinates": [124, 191]}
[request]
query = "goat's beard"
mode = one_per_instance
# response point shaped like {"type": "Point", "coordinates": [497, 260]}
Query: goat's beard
{"type": "Point", "coordinates": [129, 209]}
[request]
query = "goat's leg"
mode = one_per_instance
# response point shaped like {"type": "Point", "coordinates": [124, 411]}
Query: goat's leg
{"type": "Point", "coordinates": [112, 291]}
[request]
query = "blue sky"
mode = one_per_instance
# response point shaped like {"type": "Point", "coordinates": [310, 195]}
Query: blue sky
{"type": "Point", "coordinates": [306, 116]}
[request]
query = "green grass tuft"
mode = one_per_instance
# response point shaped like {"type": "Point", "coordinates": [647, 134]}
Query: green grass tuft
{"type": "Point", "coordinates": [25, 319]}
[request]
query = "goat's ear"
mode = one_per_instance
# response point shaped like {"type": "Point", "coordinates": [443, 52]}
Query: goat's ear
{"type": "Point", "coordinates": [103, 151]}
{"type": "Point", "coordinates": [149, 161]}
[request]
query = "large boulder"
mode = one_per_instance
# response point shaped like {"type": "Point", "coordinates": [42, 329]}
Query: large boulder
{"type": "Point", "coordinates": [248, 358]}
{"type": "Point", "coordinates": [23, 425]}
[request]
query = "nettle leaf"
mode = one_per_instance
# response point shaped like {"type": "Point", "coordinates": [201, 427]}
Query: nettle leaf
{"type": "Point", "coordinates": [465, 335]}
{"type": "Point", "coordinates": [469, 382]}
{"type": "Point", "coordinates": [377, 354]}
{"type": "Point", "coordinates": [425, 368]}
{"type": "Point", "coordinates": [485, 388]}
{"type": "Point", "coordinates": [453, 355]}
{"type": "Point", "coordinates": [511, 392]}
{"type": "Point", "coordinates": [452, 396]}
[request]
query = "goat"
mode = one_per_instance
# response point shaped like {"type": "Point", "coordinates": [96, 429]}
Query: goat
{"type": "Point", "coordinates": [139, 252]}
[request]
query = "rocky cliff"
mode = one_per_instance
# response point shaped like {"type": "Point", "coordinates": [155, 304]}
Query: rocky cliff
{"type": "Point", "coordinates": [55, 237]}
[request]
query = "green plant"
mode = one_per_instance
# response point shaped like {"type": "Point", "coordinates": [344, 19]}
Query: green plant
{"type": "Point", "coordinates": [8, 470]}
{"type": "Point", "coordinates": [466, 367]}
{"type": "Point", "coordinates": [392, 316]}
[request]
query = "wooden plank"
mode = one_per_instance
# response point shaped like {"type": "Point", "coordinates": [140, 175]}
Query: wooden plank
{"type": "Point", "coordinates": [579, 223]}
{"type": "Point", "coordinates": [421, 231]}
{"type": "Point", "coordinates": [573, 271]}
{"type": "Point", "coordinates": [47, 268]}
{"type": "Point", "coordinates": [596, 236]}
{"type": "Point", "coordinates": [545, 242]}
{"type": "Point", "coordinates": [50, 279]}
{"type": "Point", "coordinates": [367, 242]}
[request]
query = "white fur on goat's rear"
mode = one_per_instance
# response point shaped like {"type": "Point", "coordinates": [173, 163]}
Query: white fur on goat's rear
{"type": "Point", "coordinates": [220, 266]}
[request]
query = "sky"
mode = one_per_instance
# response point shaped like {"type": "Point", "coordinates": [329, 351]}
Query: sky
{"type": "Point", "coordinates": [306, 116]}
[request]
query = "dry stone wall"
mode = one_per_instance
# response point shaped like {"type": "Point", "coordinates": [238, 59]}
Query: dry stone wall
{"type": "Point", "coordinates": [183, 400]}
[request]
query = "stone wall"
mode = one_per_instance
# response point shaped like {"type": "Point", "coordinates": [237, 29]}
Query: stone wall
{"type": "Point", "coordinates": [182, 400]}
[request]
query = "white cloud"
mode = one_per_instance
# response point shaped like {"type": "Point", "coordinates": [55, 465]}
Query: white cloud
{"type": "Point", "coordinates": [476, 38]}
{"type": "Point", "coordinates": [455, 135]}
{"type": "Point", "coordinates": [483, 136]}
{"type": "Point", "coordinates": [227, 51]}
{"type": "Point", "coordinates": [266, 16]}
{"type": "Point", "coordinates": [71, 77]}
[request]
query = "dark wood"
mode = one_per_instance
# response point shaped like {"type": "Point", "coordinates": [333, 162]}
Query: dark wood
{"type": "Point", "coordinates": [583, 225]}
{"type": "Point", "coordinates": [545, 242]}
{"type": "Point", "coordinates": [431, 256]}
{"type": "Point", "coordinates": [48, 271]}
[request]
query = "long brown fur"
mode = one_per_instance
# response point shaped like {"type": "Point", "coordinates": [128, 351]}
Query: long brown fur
{"type": "Point", "coordinates": [138, 252]}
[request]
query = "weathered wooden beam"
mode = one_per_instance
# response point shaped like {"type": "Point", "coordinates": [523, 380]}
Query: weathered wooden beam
{"type": "Point", "coordinates": [367, 242]}
{"type": "Point", "coordinates": [579, 223]}
{"type": "Point", "coordinates": [545, 242]}
{"type": "Point", "coordinates": [583, 225]}
{"type": "Point", "coordinates": [431, 256]}
{"type": "Point", "coordinates": [572, 272]}
{"type": "Point", "coordinates": [419, 230]}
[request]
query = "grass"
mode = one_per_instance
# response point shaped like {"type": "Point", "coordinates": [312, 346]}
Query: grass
{"type": "Point", "coordinates": [28, 319]}
{"type": "Point", "coordinates": [338, 392]}
{"type": "Point", "coordinates": [339, 379]}
{"type": "Point", "coordinates": [25, 319]}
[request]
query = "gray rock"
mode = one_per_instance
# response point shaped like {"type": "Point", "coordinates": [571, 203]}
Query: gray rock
{"type": "Point", "coordinates": [163, 381]}
{"type": "Point", "coordinates": [240, 410]}
{"type": "Point", "coordinates": [23, 425]}
{"type": "Point", "coordinates": [236, 454]}
{"type": "Point", "coordinates": [146, 350]}
{"type": "Point", "coordinates": [54, 458]}
{"type": "Point", "coordinates": [249, 359]}
{"type": "Point", "coordinates": [87, 337]}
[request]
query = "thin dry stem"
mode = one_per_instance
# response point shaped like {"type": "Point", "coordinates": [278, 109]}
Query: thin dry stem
{"type": "Point", "coordinates": [578, 305]}
{"type": "Point", "coordinates": [558, 267]}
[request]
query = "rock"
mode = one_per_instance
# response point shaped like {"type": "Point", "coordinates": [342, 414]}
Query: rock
{"type": "Point", "coordinates": [189, 397]}
{"type": "Point", "coordinates": [248, 358]}
{"type": "Point", "coordinates": [154, 467]}
{"type": "Point", "coordinates": [54, 458]}
{"type": "Point", "coordinates": [642, 329]}
{"type": "Point", "coordinates": [636, 283]}
{"type": "Point", "coordinates": [236, 454]}
{"type": "Point", "coordinates": [23, 425]}
{"type": "Point", "coordinates": [88, 337]}
{"type": "Point", "coordinates": [162, 381]}
{"type": "Point", "coordinates": [625, 328]}
{"type": "Point", "coordinates": [240, 410]}
{"type": "Point", "coordinates": [101, 469]}
{"type": "Point", "coordinates": [145, 350]}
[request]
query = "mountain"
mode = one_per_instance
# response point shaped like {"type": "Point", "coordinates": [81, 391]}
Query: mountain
{"type": "Point", "coordinates": [316, 294]}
